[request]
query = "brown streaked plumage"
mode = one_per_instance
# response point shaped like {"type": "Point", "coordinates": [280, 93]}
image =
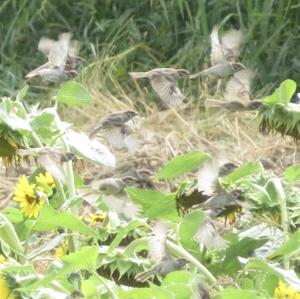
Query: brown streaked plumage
{"type": "Point", "coordinates": [163, 81]}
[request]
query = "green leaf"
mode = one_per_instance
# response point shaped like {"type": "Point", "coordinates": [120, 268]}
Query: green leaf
{"type": "Point", "coordinates": [13, 215]}
{"type": "Point", "coordinates": [187, 229]}
{"type": "Point", "coordinates": [156, 205]}
{"type": "Point", "coordinates": [282, 94]}
{"type": "Point", "coordinates": [240, 248]}
{"type": "Point", "coordinates": [22, 93]}
{"type": "Point", "coordinates": [292, 173]}
{"type": "Point", "coordinates": [9, 236]}
{"type": "Point", "coordinates": [47, 246]}
{"type": "Point", "coordinates": [90, 149]}
{"type": "Point", "coordinates": [183, 164]}
{"type": "Point", "coordinates": [84, 258]}
{"type": "Point", "coordinates": [50, 219]}
{"type": "Point", "coordinates": [241, 172]}
{"type": "Point", "coordinates": [290, 247]}
{"type": "Point", "coordinates": [15, 122]}
{"type": "Point", "coordinates": [230, 293]}
{"type": "Point", "coordinates": [74, 94]}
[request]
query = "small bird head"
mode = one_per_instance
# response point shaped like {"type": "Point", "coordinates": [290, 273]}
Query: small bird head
{"type": "Point", "coordinates": [236, 193]}
{"type": "Point", "coordinates": [226, 169]}
{"type": "Point", "coordinates": [130, 114]}
{"type": "Point", "coordinates": [238, 67]}
{"type": "Point", "coordinates": [254, 105]}
{"type": "Point", "coordinates": [182, 262]}
{"type": "Point", "coordinates": [182, 72]}
{"type": "Point", "coordinates": [144, 174]}
{"type": "Point", "coordinates": [128, 180]}
{"type": "Point", "coordinates": [71, 74]}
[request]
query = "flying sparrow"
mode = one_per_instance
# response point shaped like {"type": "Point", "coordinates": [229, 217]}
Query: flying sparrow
{"type": "Point", "coordinates": [54, 69]}
{"type": "Point", "coordinates": [163, 81]}
{"type": "Point", "coordinates": [237, 93]}
{"type": "Point", "coordinates": [116, 129]}
{"type": "Point", "coordinates": [224, 52]}
{"type": "Point", "coordinates": [163, 268]}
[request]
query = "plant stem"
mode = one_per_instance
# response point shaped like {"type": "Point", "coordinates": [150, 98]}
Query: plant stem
{"type": "Point", "coordinates": [284, 214]}
{"type": "Point", "coordinates": [182, 252]}
{"type": "Point", "coordinates": [109, 289]}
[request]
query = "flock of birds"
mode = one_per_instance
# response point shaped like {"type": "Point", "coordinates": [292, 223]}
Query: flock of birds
{"type": "Point", "coordinates": [117, 128]}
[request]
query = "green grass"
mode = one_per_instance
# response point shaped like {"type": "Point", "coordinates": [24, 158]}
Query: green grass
{"type": "Point", "coordinates": [118, 36]}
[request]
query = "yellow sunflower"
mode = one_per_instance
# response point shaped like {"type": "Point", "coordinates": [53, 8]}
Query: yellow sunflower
{"type": "Point", "coordinates": [45, 179]}
{"type": "Point", "coordinates": [62, 250]}
{"type": "Point", "coordinates": [5, 292]}
{"type": "Point", "coordinates": [2, 258]}
{"type": "Point", "coordinates": [94, 219]}
{"type": "Point", "coordinates": [25, 194]}
{"type": "Point", "coordinates": [284, 291]}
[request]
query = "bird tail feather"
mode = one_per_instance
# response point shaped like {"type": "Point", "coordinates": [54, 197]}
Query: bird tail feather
{"type": "Point", "coordinates": [144, 276]}
{"type": "Point", "coordinates": [138, 75]}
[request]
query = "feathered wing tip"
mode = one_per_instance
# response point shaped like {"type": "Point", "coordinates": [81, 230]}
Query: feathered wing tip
{"type": "Point", "coordinates": [45, 45]}
{"type": "Point", "coordinates": [208, 235]}
{"type": "Point", "coordinates": [144, 276]}
{"type": "Point", "coordinates": [138, 75]}
{"type": "Point", "coordinates": [207, 176]}
{"type": "Point", "coordinates": [36, 71]}
{"type": "Point", "coordinates": [157, 242]}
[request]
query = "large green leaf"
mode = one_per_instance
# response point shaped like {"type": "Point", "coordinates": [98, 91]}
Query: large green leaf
{"type": "Point", "coordinates": [15, 122]}
{"type": "Point", "coordinates": [50, 219]}
{"type": "Point", "coordinates": [74, 93]}
{"type": "Point", "coordinates": [183, 164]}
{"type": "Point", "coordinates": [156, 205]}
{"type": "Point", "coordinates": [90, 149]}
{"type": "Point", "coordinates": [282, 94]}
{"type": "Point", "coordinates": [9, 236]}
{"type": "Point", "coordinates": [241, 172]}
{"type": "Point", "coordinates": [290, 247]}
{"type": "Point", "coordinates": [230, 293]}
{"type": "Point", "coordinates": [187, 229]}
{"type": "Point", "coordinates": [292, 173]}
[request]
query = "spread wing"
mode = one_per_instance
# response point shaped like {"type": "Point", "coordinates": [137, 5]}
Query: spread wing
{"type": "Point", "coordinates": [165, 86]}
{"type": "Point", "coordinates": [45, 45]}
{"type": "Point", "coordinates": [207, 178]}
{"type": "Point", "coordinates": [157, 242]}
{"type": "Point", "coordinates": [231, 42]}
{"type": "Point", "coordinates": [238, 87]}
{"type": "Point", "coordinates": [116, 138]}
{"type": "Point", "coordinates": [59, 52]}
{"type": "Point", "coordinates": [216, 55]}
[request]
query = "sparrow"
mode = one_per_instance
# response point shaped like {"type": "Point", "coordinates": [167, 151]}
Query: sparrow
{"type": "Point", "coordinates": [237, 93]}
{"type": "Point", "coordinates": [51, 159]}
{"type": "Point", "coordinates": [157, 241]}
{"type": "Point", "coordinates": [54, 69]}
{"type": "Point", "coordinates": [163, 268]}
{"type": "Point", "coordinates": [208, 176]}
{"type": "Point", "coordinates": [115, 128]}
{"type": "Point", "coordinates": [46, 44]}
{"type": "Point", "coordinates": [224, 52]}
{"type": "Point", "coordinates": [208, 235]}
{"type": "Point", "coordinates": [116, 198]}
{"type": "Point", "coordinates": [163, 81]}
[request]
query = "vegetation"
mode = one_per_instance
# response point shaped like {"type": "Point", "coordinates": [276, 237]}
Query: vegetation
{"type": "Point", "coordinates": [51, 247]}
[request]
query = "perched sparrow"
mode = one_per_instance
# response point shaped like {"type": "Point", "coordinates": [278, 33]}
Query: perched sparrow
{"type": "Point", "coordinates": [162, 268]}
{"type": "Point", "coordinates": [49, 158]}
{"type": "Point", "coordinates": [115, 128]}
{"type": "Point", "coordinates": [54, 69]}
{"type": "Point", "coordinates": [163, 81]}
{"type": "Point", "coordinates": [116, 198]}
{"type": "Point", "coordinates": [237, 93]}
{"type": "Point", "coordinates": [224, 53]}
